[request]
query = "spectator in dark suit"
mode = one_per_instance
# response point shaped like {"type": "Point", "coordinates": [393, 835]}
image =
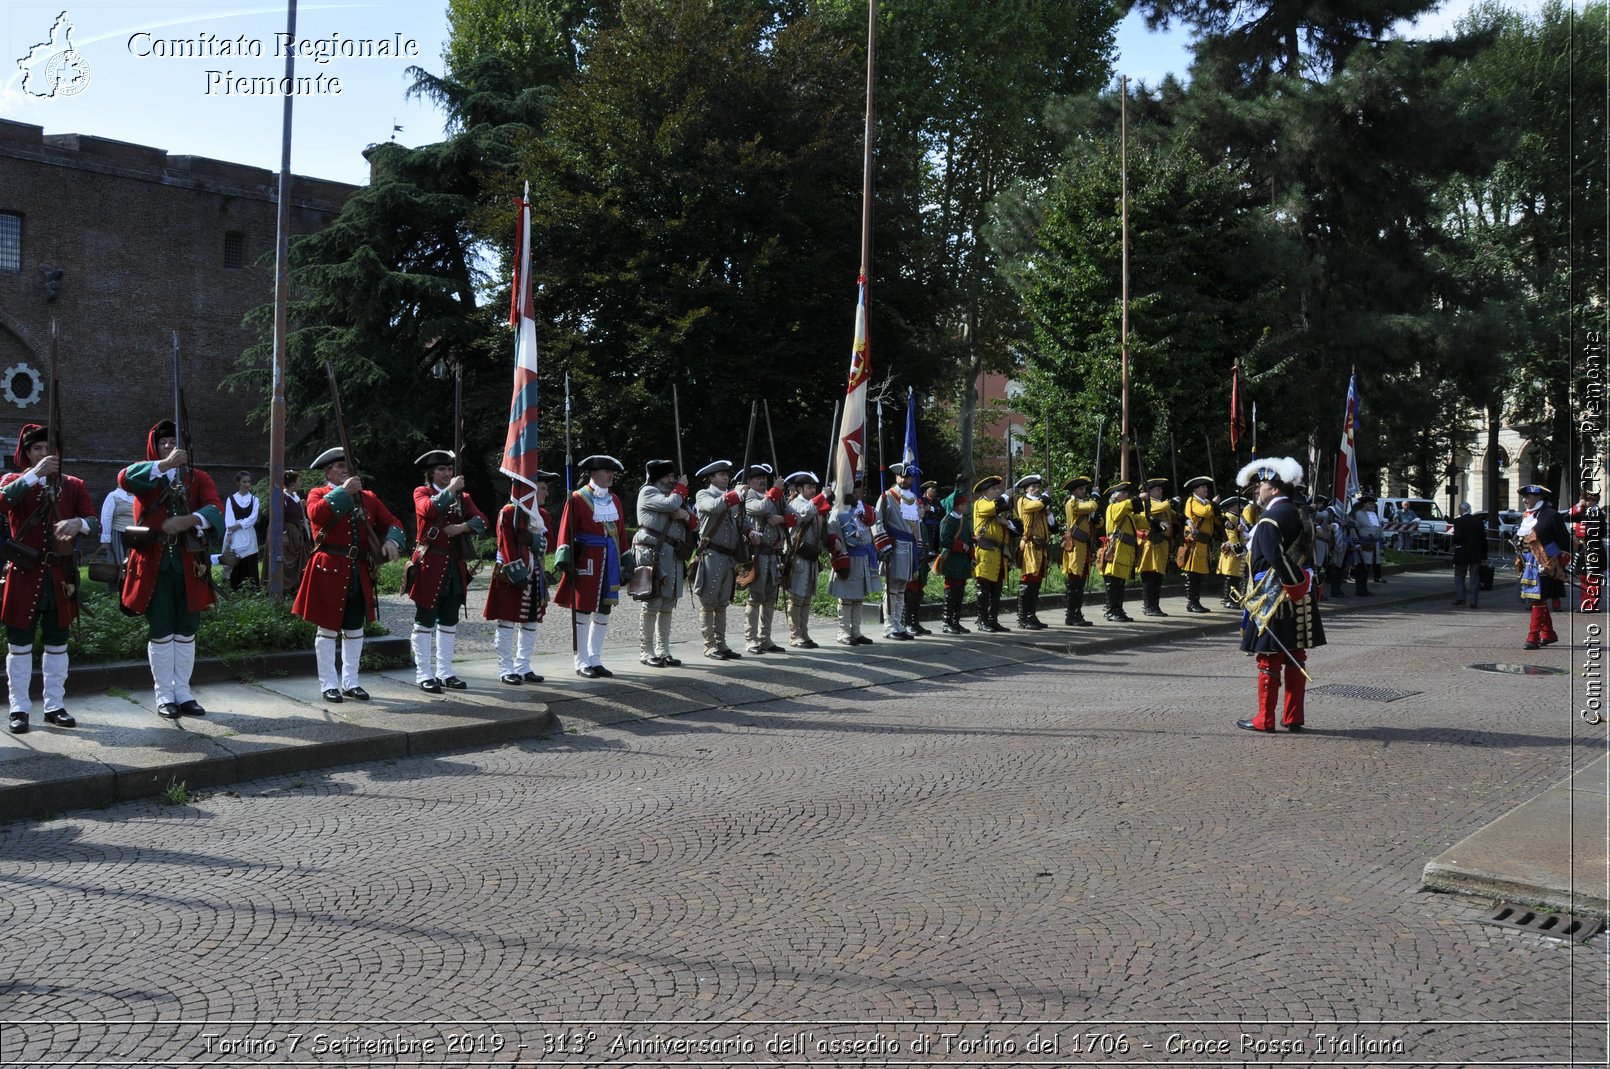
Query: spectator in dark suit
{"type": "Point", "coordinates": [1469, 550]}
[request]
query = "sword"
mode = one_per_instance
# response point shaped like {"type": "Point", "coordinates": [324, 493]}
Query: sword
{"type": "Point", "coordinates": [1240, 598]}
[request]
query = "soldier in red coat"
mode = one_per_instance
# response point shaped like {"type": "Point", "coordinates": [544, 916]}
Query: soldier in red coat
{"type": "Point", "coordinates": [438, 574]}
{"type": "Point", "coordinates": [591, 534]}
{"type": "Point", "coordinates": [518, 596]}
{"type": "Point", "coordinates": [337, 594]}
{"type": "Point", "coordinates": [47, 513]}
{"type": "Point", "coordinates": [178, 522]}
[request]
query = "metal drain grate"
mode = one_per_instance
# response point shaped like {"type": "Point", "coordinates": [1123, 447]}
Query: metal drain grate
{"type": "Point", "coordinates": [1368, 694]}
{"type": "Point", "coordinates": [1554, 925]}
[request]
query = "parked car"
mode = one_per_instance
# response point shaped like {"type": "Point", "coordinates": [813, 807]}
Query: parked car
{"type": "Point", "coordinates": [1432, 530]}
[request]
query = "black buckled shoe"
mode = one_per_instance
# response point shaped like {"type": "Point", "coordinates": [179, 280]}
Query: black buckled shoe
{"type": "Point", "coordinates": [60, 717]}
{"type": "Point", "coordinates": [590, 671]}
{"type": "Point", "coordinates": [453, 683]}
{"type": "Point", "coordinates": [670, 662]}
{"type": "Point", "coordinates": [431, 686]}
{"type": "Point", "coordinates": [168, 711]}
{"type": "Point", "coordinates": [861, 640]}
{"type": "Point", "coordinates": [1247, 725]}
{"type": "Point", "coordinates": [772, 647]}
{"type": "Point", "coordinates": [18, 725]}
{"type": "Point", "coordinates": [513, 679]}
{"type": "Point", "coordinates": [333, 696]}
{"type": "Point", "coordinates": [603, 673]}
{"type": "Point", "coordinates": [357, 694]}
{"type": "Point", "coordinates": [532, 677]}
{"type": "Point", "coordinates": [189, 707]}
{"type": "Point", "coordinates": [653, 662]}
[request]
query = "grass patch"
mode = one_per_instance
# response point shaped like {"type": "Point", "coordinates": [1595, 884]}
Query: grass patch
{"type": "Point", "coordinates": [175, 793]}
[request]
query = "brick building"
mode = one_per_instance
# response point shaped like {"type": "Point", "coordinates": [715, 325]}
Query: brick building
{"type": "Point", "coordinates": [122, 245]}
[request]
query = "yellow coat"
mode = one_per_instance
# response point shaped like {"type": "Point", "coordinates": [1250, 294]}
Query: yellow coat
{"type": "Point", "coordinates": [1232, 561]}
{"type": "Point", "coordinates": [1080, 516]}
{"type": "Point", "coordinates": [1202, 526]}
{"type": "Point", "coordinates": [1121, 531]}
{"type": "Point", "coordinates": [989, 537]}
{"type": "Point", "coordinates": [1034, 554]}
{"type": "Point", "coordinates": [1155, 552]}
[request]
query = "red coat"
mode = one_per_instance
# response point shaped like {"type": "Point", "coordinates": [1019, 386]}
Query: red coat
{"type": "Point", "coordinates": [323, 593]}
{"type": "Point", "coordinates": [433, 550]}
{"type": "Point", "coordinates": [588, 591]}
{"type": "Point", "coordinates": [150, 490]}
{"type": "Point", "coordinates": [504, 600]}
{"type": "Point", "coordinates": [22, 588]}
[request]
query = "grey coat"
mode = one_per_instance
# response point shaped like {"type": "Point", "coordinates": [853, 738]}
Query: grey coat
{"type": "Point", "coordinates": [758, 509]}
{"type": "Point", "coordinates": [655, 518]}
{"type": "Point", "coordinates": [806, 538]}
{"type": "Point", "coordinates": [860, 580]}
{"type": "Point", "coordinates": [718, 539]}
{"type": "Point", "coordinates": [901, 564]}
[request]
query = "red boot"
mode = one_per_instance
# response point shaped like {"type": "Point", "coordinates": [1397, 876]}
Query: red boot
{"type": "Point", "coordinates": [1547, 637]}
{"type": "Point", "coordinates": [1291, 713]}
{"type": "Point", "coordinates": [1534, 629]}
{"type": "Point", "coordinates": [1268, 693]}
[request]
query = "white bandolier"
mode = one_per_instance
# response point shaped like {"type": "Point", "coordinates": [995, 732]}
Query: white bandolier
{"type": "Point", "coordinates": [663, 520]}
{"type": "Point", "coordinates": [802, 560]}
{"type": "Point", "coordinates": [894, 532]}
{"type": "Point", "coordinates": [768, 521]}
{"type": "Point", "coordinates": [855, 564]}
{"type": "Point", "coordinates": [719, 542]}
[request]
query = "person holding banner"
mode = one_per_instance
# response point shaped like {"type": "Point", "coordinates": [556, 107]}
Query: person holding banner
{"type": "Point", "coordinates": [588, 557]}
{"type": "Point", "coordinates": [518, 595]}
{"type": "Point", "coordinates": [855, 563]}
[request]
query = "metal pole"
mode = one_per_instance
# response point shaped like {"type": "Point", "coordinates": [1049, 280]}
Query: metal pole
{"type": "Point", "coordinates": [1123, 342]}
{"type": "Point", "coordinates": [282, 290]}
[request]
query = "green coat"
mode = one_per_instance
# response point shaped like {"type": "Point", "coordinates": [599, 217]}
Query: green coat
{"type": "Point", "coordinates": [955, 543]}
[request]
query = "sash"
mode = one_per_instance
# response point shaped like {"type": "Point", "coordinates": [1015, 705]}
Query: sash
{"type": "Point", "coordinates": [612, 558]}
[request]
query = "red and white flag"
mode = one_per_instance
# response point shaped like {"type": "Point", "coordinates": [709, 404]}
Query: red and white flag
{"type": "Point", "coordinates": [1346, 485]}
{"type": "Point", "coordinates": [847, 459]}
{"type": "Point", "coordinates": [520, 447]}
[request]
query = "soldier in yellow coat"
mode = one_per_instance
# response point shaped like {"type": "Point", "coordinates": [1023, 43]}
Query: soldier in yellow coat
{"type": "Point", "coordinates": [1201, 530]}
{"type": "Point", "coordinates": [1157, 546]}
{"type": "Point", "coordinates": [1120, 550]}
{"type": "Point", "coordinates": [1233, 551]}
{"type": "Point", "coordinates": [1078, 546]}
{"type": "Point", "coordinates": [990, 532]}
{"type": "Point", "coordinates": [1034, 551]}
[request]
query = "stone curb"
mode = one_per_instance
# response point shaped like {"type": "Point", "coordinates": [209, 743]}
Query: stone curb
{"type": "Point", "coordinates": [55, 782]}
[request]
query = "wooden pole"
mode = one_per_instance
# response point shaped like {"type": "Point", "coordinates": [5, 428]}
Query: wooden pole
{"type": "Point", "coordinates": [282, 291]}
{"type": "Point", "coordinates": [1123, 213]}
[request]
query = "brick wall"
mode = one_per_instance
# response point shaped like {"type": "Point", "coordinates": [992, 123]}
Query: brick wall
{"type": "Point", "coordinates": [140, 236]}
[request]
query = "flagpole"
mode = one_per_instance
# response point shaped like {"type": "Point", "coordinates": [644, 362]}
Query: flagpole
{"type": "Point", "coordinates": [1123, 212]}
{"type": "Point", "coordinates": [282, 296]}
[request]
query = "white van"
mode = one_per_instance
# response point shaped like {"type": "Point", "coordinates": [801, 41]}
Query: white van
{"type": "Point", "coordinates": [1433, 531]}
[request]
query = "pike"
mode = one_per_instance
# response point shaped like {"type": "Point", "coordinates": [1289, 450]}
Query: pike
{"type": "Point", "coordinates": [676, 419]}
{"type": "Point", "coordinates": [466, 541]}
{"type": "Point", "coordinates": [570, 463]}
{"type": "Point", "coordinates": [832, 441]}
{"type": "Point", "coordinates": [788, 553]}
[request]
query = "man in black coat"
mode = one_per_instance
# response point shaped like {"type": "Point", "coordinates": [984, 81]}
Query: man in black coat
{"type": "Point", "coordinates": [1282, 618]}
{"type": "Point", "coordinates": [1469, 550]}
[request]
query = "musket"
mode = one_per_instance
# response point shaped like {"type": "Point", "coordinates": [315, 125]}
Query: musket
{"type": "Point", "coordinates": [676, 417]}
{"type": "Point", "coordinates": [1101, 429]}
{"type": "Point", "coordinates": [54, 448]}
{"type": "Point", "coordinates": [832, 443]}
{"type": "Point", "coordinates": [179, 492]}
{"type": "Point", "coordinates": [883, 468]}
{"type": "Point", "coordinates": [1208, 441]}
{"type": "Point", "coordinates": [373, 549]}
{"type": "Point", "coordinates": [790, 545]}
{"type": "Point", "coordinates": [465, 543]}
{"type": "Point", "coordinates": [570, 457]}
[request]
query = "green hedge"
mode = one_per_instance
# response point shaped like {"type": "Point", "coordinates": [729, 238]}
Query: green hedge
{"type": "Point", "coordinates": [241, 623]}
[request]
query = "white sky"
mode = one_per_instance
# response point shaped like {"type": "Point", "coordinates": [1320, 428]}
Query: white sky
{"type": "Point", "coordinates": [165, 101]}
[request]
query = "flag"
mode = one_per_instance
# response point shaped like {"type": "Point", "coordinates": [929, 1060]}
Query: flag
{"type": "Point", "coordinates": [851, 454]}
{"type": "Point", "coordinates": [520, 447]}
{"type": "Point", "coordinates": [908, 455]}
{"type": "Point", "coordinates": [1346, 485]}
{"type": "Point", "coordinates": [1238, 422]}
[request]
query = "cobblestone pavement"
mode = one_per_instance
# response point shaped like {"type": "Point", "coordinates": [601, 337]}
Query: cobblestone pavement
{"type": "Point", "coordinates": [1084, 840]}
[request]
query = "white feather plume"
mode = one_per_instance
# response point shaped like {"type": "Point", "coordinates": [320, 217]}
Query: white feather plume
{"type": "Point", "coordinates": [1285, 468]}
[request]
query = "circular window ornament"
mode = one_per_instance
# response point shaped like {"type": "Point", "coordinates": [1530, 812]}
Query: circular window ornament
{"type": "Point", "coordinates": [21, 385]}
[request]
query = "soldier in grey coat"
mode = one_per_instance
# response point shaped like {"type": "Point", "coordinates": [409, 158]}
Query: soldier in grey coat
{"type": "Point", "coordinates": [803, 558]}
{"type": "Point", "coordinates": [719, 541]}
{"type": "Point", "coordinates": [894, 532]}
{"type": "Point", "coordinates": [768, 524]}
{"type": "Point", "coordinates": [855, 565]}
{"type": "Point", "coordinates": [663, 521]}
